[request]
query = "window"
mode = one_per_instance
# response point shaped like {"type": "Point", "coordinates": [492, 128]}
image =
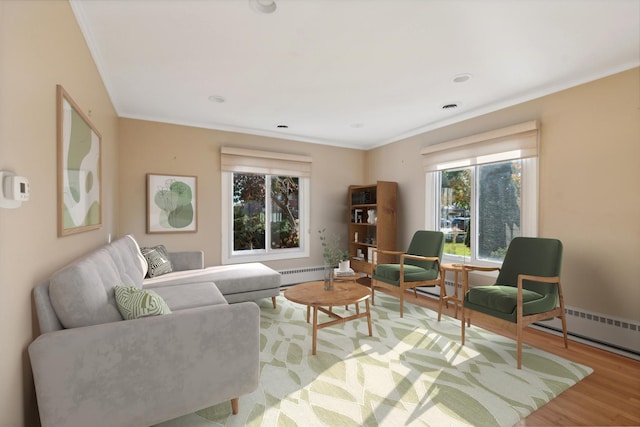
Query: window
{"type": "Point", "coordinates": [497, 217]}
{"type": "Point", "coordinates": [252, 205]}
{"type": "Point", "coordinates": [265, 215]}
{"type": "Point", "coordinates": [482, 192]}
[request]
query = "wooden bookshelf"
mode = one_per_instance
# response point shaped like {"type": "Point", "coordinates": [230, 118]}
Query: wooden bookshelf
{"type": "Point", "coordinates": [367, 202]}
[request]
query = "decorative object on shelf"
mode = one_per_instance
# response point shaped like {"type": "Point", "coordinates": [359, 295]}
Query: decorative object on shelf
{"type": "Point", "coordinates": [371, 216]}
{"type": "Point", "coordinates": [357, 216]}
{"type": "Point", "coordinates": [171, 204]}
{"type": "Point", "coordinates": [79, 169]}
{"type": "Point", "coordinates": [344, 265]}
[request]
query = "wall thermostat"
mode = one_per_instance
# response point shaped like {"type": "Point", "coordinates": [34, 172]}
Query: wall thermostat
{"type": "Point", "coordinates": [14, 191]}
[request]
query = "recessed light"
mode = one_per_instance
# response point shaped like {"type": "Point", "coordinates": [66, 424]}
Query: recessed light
{"type": "Point", "coordinates": [217, 98]}
{"type": "Point", "coordinates": [449, 106]}
{"type": "Point", "coordinates": [283, 127]}
{"type": "Point", "coordinates": [461, 78]}
{"type": "Point", "coordinates": [356, 125]}
{"type": "Point", "coordinates": [263, 6]}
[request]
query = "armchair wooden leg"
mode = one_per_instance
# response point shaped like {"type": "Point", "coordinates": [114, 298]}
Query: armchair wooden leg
{"type": "Point", "coordinates": [462, 328]}
{"type": "Point", "coordinates": [442, 298]}
{"type": "Point", "coordinates": [273, 300]}
{"type": "Point", "coordinates": [234, 405]}
{"type": "Point", "coordinates": [519, 344]}
{"type": "Point", "coordinates": [401, 303]}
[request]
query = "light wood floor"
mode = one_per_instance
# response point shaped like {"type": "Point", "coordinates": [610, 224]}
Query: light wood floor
{"type": "Point", "coordinates": [610, 396]}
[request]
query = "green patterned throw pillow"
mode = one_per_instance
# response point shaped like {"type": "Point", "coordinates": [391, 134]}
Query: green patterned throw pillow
{"type": "Point", "coordinates": [134, 303]}
{"type": "Point", "coordinates": [158, 260]}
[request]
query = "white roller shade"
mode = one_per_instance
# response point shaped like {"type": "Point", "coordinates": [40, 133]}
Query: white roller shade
{"type": "Point", "coordinates": [243, 160]}
{"type": "Point", "coordinates": [514, 142]}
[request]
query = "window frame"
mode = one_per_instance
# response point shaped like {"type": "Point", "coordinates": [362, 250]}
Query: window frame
{"type": "Point", "coordinates": [229, 256]}
{"type": "Point", "coordinates": [528, 209]}
{"type": "Point", "coordinates": [517, 142]}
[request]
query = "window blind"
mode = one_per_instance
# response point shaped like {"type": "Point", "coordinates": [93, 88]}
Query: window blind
{"type": "Point", "coordinates": [244, 160]}
{"type": "Point", "coordinates": [513, 142]}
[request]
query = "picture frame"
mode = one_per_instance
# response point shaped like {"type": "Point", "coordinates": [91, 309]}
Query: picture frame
{"type": "Point", "coordinates": [79, 146]}
{"type": "Point", "coordinates": [172, 204]}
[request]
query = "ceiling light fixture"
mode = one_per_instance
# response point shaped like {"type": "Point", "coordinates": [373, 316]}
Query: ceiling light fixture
{"type": "Point", "coordinates": [449, 106]}
{"type": "Point", "coordinates": [283, 127]}
{"type": "Point", "coordinates": [263, 6]}
{"type": "Point", "coordinates": [461, 78]}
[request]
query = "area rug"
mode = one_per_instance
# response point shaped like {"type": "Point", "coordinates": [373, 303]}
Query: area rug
{"type": "Point", "coordinates": [413, 371]}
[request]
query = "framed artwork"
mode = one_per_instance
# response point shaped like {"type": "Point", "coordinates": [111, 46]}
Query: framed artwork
{"type": "Point", "coordinates": [171, 204]}
{"type": "Point", "coordinates": [79, 169]}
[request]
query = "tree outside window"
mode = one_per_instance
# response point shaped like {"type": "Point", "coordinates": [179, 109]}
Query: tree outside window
{"type": "Point", "coordinates": [253, 206]}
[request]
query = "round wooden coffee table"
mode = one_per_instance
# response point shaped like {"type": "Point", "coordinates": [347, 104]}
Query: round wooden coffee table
{"type": "Point", "coordinates": [312, 294]}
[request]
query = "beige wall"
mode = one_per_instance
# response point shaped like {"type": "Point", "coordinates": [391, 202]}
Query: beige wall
{"type": "Point", "coordinates": [40, 46]}
{"type": "Point", "coordinates": [589, 177]}
{"type": "Point", "coordinates": [151, 147]}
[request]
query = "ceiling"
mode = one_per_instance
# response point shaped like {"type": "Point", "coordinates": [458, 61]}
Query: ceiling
{"type": "Point", "coordinates": [351, 73]}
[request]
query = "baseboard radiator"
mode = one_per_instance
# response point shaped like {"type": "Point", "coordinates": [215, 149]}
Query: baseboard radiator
{"type": "Point", "coordinates": [294, 276]}
{"type": "Point", "coordinates": [604, 331]}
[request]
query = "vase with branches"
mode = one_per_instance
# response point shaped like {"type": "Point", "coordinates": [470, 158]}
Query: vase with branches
{"type": "Point", "coordinates": [333, 254]}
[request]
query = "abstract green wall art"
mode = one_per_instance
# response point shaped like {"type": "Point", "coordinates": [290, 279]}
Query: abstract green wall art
{"type": "Point", "coordinates": [79, 169]}
{"type": "Point", "coordinates": [171, 204]}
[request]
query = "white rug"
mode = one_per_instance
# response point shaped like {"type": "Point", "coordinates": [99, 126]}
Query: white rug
{"type": "Point", "coordinates": [413, 371]}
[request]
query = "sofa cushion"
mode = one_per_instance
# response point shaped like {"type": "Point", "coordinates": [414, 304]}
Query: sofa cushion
{"type": "Point", "coordinates": [134, 303]}
{"type": "Point", "coordinates": [157, 260]}
{"type": "Point", "coordinates": [229, 279]}
{"type": "Point", "coordinates": [190, 295]}
{"type": "Point", "coordinates": [390, 273]}
{"type": "Point", "coordinates": [82, 292]}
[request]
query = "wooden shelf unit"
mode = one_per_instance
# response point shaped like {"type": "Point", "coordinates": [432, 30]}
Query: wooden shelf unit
{"type": "Point", "coordinates": [382, 234]}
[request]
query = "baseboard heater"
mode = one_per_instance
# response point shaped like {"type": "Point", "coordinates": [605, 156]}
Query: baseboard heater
{"type": "Point", "coordinates": [620, 336]}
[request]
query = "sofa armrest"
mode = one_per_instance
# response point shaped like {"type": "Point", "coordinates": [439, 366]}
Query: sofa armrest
{"type": "Point", "coordinates": [187, 260]}
{"type": "Point", "coordinates": [141, 372]}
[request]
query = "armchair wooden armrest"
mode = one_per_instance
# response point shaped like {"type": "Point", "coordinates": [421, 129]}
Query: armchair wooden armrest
{"type": "Point", "coordinates": [383, 252]}
{"type": "Point", "coordinates": [532, 278]}
{"type": "Point", "coordinates": [465, 275]}
{"type": "Point", "coordinates": [386, 252]}
{"type": "Point", "coordinates": [420, 258]}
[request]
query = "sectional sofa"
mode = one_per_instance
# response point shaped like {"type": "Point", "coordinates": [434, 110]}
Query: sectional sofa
{"type": "Point", "coordinates": [91, 367]}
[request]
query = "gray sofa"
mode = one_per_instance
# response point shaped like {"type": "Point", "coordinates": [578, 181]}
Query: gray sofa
{"type": "Point", "coordinates": [91, 367]}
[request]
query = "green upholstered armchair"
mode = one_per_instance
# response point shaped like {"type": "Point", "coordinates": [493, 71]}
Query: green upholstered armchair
{"type": "Point", "coordinates": [527, 289]}
{"type": "Point", "coordinates": [419, 266]}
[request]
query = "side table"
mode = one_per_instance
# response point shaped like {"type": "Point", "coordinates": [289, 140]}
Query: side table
{"type": "Point", "coordinates": [457, 300]}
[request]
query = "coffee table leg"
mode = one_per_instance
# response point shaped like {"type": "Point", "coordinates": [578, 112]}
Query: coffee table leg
{"type": "Point", "coordinates": [308, 308]}
{"type": "Point", "coordinates": [315, 330]}
{"type": "Point", "coordinates": [366, 303]}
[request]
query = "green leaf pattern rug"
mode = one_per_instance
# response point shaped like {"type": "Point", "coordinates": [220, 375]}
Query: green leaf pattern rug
{"type": "Point", "coordinates": [413, 371]}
